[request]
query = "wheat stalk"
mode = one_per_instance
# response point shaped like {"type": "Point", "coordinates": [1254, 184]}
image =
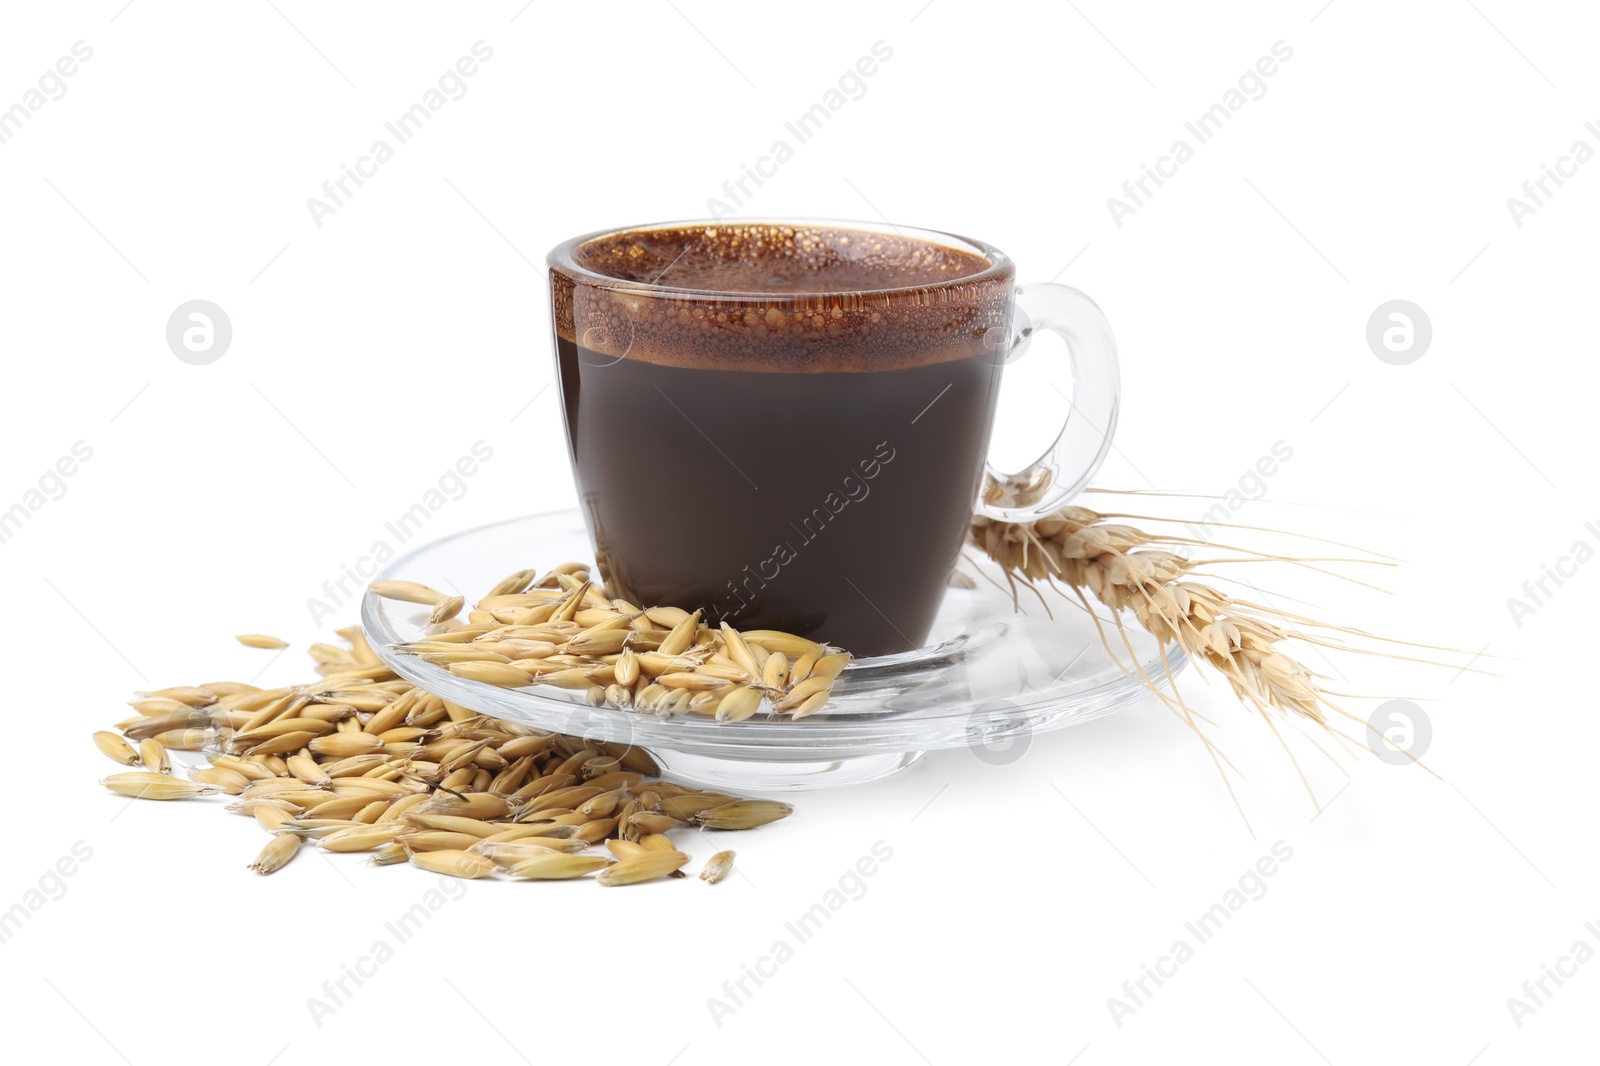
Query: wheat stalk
{"type": "Point", "coordinates": [1080, 553]}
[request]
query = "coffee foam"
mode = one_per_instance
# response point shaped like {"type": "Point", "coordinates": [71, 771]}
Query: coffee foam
{"type": "Point", "coordinates": [781, 298]}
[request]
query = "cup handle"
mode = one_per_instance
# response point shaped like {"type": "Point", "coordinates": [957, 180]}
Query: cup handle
{"type": "Point", "coordinates": [1071, 460]}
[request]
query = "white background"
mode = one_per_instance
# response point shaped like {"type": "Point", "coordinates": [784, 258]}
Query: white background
{"type": "Point", "coordinates": [369, 353]}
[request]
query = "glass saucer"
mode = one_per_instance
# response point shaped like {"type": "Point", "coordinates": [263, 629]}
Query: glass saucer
{"type": "Point", "coordinates": [991, 675]}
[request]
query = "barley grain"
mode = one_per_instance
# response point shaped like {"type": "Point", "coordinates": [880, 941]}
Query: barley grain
{"type": "Point", "coordinates": [739, 704]}
{"type": "Point", "coordinates": [390, 854]}
{"type": "Point", "coordinates": [717, 867]}
{"type": "Point", "coordinates": [685, 807]}
{"type": "Point", "coordinates": [647, 866]}
{"type": "Point", "coordinates": [198, 695]}
{"type": "Point", "coordinates": [344, 745]}
{"type": "Point", "coordinates": [595, 831]}
{"type": "Point", "coordinates": [743, 814]}
{"type": "Point", "coordinates": [157, 705]}
{"type": "Point", "coordinates": [142, 784]}
{"type": "Point", "coordinates": [259, 640]}
{"type": "Point", "coordinates": [481, 805]}
{"type": "Point", "coordinates": [271, 818]}
{"type": "Point", "coordinates": [502, 674]}
{"type": "Point", "coordinates": [224, 780]}
{"type": "Point", "coordinates": [696, 681]}
{"type": "Point", "coordinates": [408, 592]}
{"type": "Point", "coordinates": [276, 855]}
{"type": "Point", "coordinates": [359, 838]}
{"type": "Point", "coordinates": [446, 610]}
{"type": "Point", "coordinates": [811, 686]}
{"type": "Point", "coordinates": [185, 739]}
{"type": "Point", "coordinates": [788, 643]}
{"type": "Point", "coordinates": [438, 840]}
{"type": "Point", "coordinates": [554, 866]}
{"type": "Point", "coordinates": [625, 849]}
{"type": "Point", "coordinates": [116, 749]}
{"type": "Point", "coordinates": [831, 666]}
{"type": "Point", "coordinates": [154, 756]}
{"type": "Point", "coordinates": [453, 863]}
{"type": "Point", "coordinates": [740, 652]}
{"type": "Point", "coordinates": [775, 672]}
{"type": "Point", "coordinates": [810, 706]}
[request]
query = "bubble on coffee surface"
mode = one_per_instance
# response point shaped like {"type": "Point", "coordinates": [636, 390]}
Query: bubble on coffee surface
{"type": "Point", "coordinates": [782, 298]}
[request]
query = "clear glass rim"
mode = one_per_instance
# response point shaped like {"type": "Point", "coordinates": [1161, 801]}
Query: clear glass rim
{"type": "Point", "coordinates": [882, 707]}
{"type": "Point", "coordinates": [562, 258]}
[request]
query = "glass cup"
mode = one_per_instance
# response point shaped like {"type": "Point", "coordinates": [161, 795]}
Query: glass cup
{"type": "Point", "coordinates": [786, 423]}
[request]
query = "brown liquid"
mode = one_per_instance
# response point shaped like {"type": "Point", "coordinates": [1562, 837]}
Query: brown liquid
{"type": "Point", "coordinates": [798, 479]}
